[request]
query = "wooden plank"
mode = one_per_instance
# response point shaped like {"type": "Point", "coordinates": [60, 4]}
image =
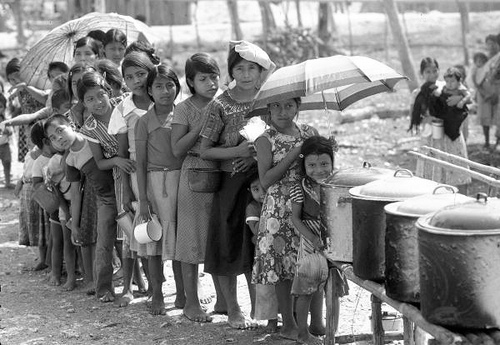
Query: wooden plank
{"type": "Point", "coordinates": [378, 328]}
{"type": "Point", "coordinates": [485, 169]}
{"type": "Point", "coordinates": [430, 2]}
{"type": "Point", "coordinates": [409, 338]}
{"type": "Point", "coordinates": [330, 320]}
{"type": "Point", "coordinates": [449, 166]}
{"type": "Point", "coordinates": [441, 334]}
{"type": "Point", "coordinates": [354, 338]}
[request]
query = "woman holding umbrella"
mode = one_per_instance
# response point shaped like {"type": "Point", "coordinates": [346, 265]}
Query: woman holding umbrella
{"type": "Point", "coordinates": [229, 249]}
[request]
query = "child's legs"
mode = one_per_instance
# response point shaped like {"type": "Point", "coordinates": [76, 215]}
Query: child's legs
{"type": "Point", "coordinates": [316, 309]}
{"type": "Point", "coordinates": [180, 299]}
{"type": "Point", "coordinates": [106, 234]}
{"type": "Point", "coordinates": [57, 251]}
{"type": "Point", "coordinates": [190, 281]}
{"type": "Point", "coordinates": [88, 253]}
{"type": "Point", "coordinates": [283, 293]}
{"type": "Point", "coordinates": [6, 163]}
{"type": "Point", "coordinates": [155, 265]}
{"type": "Point", "coordinates": [220, 304]}
{"type": "Point", "coordinates": [302, 306]}
{"type": "Point", "coordinates": [251, 292]}
{"type": "Point", "coordinates": [69, 257]}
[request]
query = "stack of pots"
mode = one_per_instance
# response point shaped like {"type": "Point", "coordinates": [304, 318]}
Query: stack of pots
{"type": "Point", "coordinates": [459, 264]}
{"type": "Point", "coordinates": [368, 218]}
{"type": "Point", "coordinates": [336, 207]}
{"type": "Point", "coordinates": [402, 280]}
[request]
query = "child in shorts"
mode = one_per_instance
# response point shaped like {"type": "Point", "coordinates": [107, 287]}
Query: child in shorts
{"type": "Point", "coordinates": [266, 303]}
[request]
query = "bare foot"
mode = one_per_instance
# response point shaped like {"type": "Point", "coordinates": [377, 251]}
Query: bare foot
{"type": "Point", "coordinates": [309, 340]}
{"type": "Point", "coordinates": [158, 305]}
{"type": "Point", "coordinates": [107, 297]}
{"type": "Point", "coordinates": [220, 307]}
{"type": "Point", "coordinates": [204, 295]}
{"type": "Point", "coordinates": [289, 333]}
{"type": "Point", "coordinates": [40, 267]}
{"type": "Point", "coordinates": [124, 299]}
{"type": "Point", "coordinates": [69, 285]}
{"type": "Point", "coordinates": [317, 330]}
{"type": "Point", "coordinates": [237, 320]}
{"type": "Point", "coordinates": [195, 313]}
{"type": "Point", "coordinates": [54, 281]}
{"type": "Point", "coordinates": [272, 326]}
{"type": "Point", "coordinates": [180, 301]}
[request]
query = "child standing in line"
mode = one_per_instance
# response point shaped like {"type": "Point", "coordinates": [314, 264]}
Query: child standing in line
{"type": "Point", "coordinates": [158, 172]}
{"type": "Point", "coordinates": [45, 233]}
{"type": "Point", "coordinates": [79, 161]}
{"type": "Point", "coordinates": [266, 303]}
{"type": "Point", "coordinates": [312, 267]}
{"type": "Point", "coordinates": [115, 43]}
{"type": "Point", "coordinates": [5, 151]}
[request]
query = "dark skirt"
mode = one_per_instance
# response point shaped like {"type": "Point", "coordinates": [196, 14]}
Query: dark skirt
{"type": "Point", "coordinates": [88, 216]}
{"type": "Point", "coordinates": [230, 250]}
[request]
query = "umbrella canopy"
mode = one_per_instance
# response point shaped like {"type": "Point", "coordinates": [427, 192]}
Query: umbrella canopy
{"type": "Point", "coordinates": [333, 82]}
{"type": "Point", "coordinates": [58, 44]}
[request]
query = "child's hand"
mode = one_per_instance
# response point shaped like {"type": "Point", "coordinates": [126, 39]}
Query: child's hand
{"type": "Point", "coordinates": [243, 164]}
{"type": "Point", "coordinates": [246, 149]}
{"type": "Point", "coordinates": [125, 164]}
{"type": "Point", "coordinates": [14, 90]}
{"type": "Point", "coordinates": [436, 93]}
{"type": "Point", "coordinates": [75, 235]}
{"type": "Point", "coordinates": [144, 215]}
{"type": "Point", "coordinates": [17, 189]}
{"type": "Point", "coordinates": [318, 244]}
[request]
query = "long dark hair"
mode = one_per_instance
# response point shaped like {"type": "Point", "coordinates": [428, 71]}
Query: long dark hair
{"type": "Point", "coordinates": [315, 145]}
{"type": "Point", "coordinates": [78, 67]}
{"type": "Point", "coordinates": [163, 71]}
{"type": "Point", "coordinates": [91, 43]}
{"type": "Point", "coordinates": [427, 62]}
{"type": "Point", "coordinates": [199, 63]}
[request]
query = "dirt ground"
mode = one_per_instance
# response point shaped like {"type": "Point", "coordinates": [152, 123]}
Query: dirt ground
{"type": "Point", "coordinates": [33, 312]}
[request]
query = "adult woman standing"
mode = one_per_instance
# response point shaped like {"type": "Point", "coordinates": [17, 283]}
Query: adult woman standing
{"type": "Point", "coordinates": [229, 249]}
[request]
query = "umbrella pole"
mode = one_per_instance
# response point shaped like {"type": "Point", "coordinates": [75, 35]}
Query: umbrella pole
{"type": "Point", "coordinates": [331, 137]}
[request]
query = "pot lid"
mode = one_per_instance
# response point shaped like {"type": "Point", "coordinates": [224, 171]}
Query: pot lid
{"type": "Point", "coordinates": [482, 214]}
{"type": "Point", "coordinates": [443, 195]}
{"type": "Point", "coordinates": [352, 177]}
{"type": "Point", "coordinates": [401, 186]}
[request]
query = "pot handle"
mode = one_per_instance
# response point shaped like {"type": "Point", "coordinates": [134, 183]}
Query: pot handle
{"type": "Point", "coordinates": [366, 165]}
{"type": "Point", "coordinates": [403, 173]}
{"type": "Point", "coordinates": [483, 196]}
{"type": "Point", "coordinates": [451, 189]}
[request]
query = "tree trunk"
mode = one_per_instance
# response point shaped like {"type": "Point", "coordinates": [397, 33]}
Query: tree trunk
{"type": "Point", "coordinates": [268, 22]}
{"type": "Point", "coordinates": [402, 42]}
{"type": "Point", "coordinates": [235, 20]}
{"type": "Point", "coordinates": [463, 8]}
{"type": "Point", "coordinates": [18, 14]}
{"type": "Point", "coordinates": [326, 28]}
{"type": "Point", "coordinates": [299, 14]}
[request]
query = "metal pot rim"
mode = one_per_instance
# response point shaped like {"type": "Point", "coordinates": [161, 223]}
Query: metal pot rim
{"type": "Point", "coordinates": [423, 225]}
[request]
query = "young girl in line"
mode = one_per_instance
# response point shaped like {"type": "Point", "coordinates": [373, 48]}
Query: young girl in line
{"type": "Point", "coordinates": [158, 172]}
{"type": "Point", "coordinates": [311, 274]}
{"type": "Point", "coordinates": [115, 43]}
{"type": "Point", "coordinates": [277, 242]}
{"type": "Point", "coordinates": [79, 161]}
{"type": "Point", "coordinates": [122, 124]}
{"type": "Point", "coordinates": [78, 113]}
{"type": "Point", "coordinates": [86, 50]}
{"type": "Point", "coordinates": [193, 209]}
{"type": "Point", "coordinates": [52, 233]}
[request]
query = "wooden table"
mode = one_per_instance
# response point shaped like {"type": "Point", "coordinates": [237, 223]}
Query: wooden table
{"type": "Point", "coordinates": [411, 317]}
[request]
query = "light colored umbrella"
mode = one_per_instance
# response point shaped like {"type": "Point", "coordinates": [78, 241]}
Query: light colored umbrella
{"type": "Point", "coordinates": [58, 44]}
{"type": "Point", "coordinates": [327, 83]}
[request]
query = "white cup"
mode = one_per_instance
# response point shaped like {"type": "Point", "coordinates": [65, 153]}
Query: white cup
{"type": "Point", "coordinates": [149, 231]}
{"type": "Point", "coordinates": [437, 129]}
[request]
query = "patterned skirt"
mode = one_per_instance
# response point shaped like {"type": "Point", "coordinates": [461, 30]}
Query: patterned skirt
{"type": "Point", "coordinates": [28, 217]}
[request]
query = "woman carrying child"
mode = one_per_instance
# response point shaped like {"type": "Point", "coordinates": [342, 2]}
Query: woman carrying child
{"type": "Point", "coordinates": [278, 151]}
{"type": "Point", "coordinates": [158, 172]}
{"type": "Point", "coordinates": [193, 209]}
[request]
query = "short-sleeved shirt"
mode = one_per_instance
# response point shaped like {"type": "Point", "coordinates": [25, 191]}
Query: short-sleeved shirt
{"type": "Point", "coordinates": [96, 131]}
{"type": "Point", "coordinates": [158, 141]}
{"type": "Point", "coordinates": [224, 118]}
{"type": "Point", "coordinates": [40, 163]}
{"type": "Point", "coordinates": [78, 158]}
{"type": "Point", "coordinates": [252, 212]}
{"type": "Point", "coordinates": [124, 119]}
{"type": "Point", "coordinates": [188, 114]}
{"type": "Point", "coordinates": [28, 166]}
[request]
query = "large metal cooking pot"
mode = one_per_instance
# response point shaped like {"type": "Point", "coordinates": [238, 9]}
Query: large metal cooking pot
{"type": "Point", "coordinates": [336, 207]}
{"type": "Point", "coordinates": [402, 281]}
{"type": "Point", "coordinates": [459, 264]}
{"type": "Point", "coordinates": [368, 218]}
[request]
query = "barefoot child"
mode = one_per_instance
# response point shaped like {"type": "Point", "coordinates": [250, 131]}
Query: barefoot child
{"type": "Point", "coordinates": [158, 172]}
{"type": "Point", "coordinates": [45, 233]}
{"type": "Point", "coordinates": [266, 304]}
{"type": "Point", "coordinates": [81, 161]}
{"type": "Point", "coordinates": [312, 267]}
{"type": "Point", "coordinates": [5, 151]}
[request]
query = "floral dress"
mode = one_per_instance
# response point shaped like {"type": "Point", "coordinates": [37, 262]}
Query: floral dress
{"type": "Point", "coordinates": [277, 239]}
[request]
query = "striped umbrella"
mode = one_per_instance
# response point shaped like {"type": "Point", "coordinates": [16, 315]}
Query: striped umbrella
{"type": "Point", "coordinates": [326, 83]}
{"type": "Point", "coordinates": [58, 44]}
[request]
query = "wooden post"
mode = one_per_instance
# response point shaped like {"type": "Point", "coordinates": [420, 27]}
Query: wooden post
{"type": "Point", "coordinates": [299, 15]}
{"type": "Point", "coordinates": [402, 42]}
{"type": "Point", "coordinates": [268, 22]}
{"type": "Point", "coordinates": [409, 338]}
{"type": "Point", "coordinates": [18, 14]}
{"type": "Point", "coordinates": [463, 8]}
{"type": "Point", "coordinates": [330, 308]}
{"type": "Point", "coordinates": [326, 28]}
{"type": "Point", "coordinates": [378, 328]}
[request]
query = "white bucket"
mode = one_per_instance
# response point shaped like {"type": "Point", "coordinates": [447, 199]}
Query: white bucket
{"type": "Point", "coordinates": [148, 232]}
{"type": "Point", "coordinates": [437, 129]}
{"type": "Point", "coordinates": [125, 220]}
